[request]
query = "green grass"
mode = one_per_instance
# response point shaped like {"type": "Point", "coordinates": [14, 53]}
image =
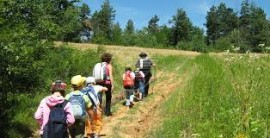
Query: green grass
{"type": "Point", "coordinates": [227, 97]}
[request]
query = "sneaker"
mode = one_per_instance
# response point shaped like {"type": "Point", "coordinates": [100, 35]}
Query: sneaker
{"type": "Point", "coordinates": [131, 105]}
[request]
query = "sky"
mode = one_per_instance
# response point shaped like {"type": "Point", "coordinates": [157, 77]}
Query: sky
{"type": "Point", "coordinates": [141, 11]}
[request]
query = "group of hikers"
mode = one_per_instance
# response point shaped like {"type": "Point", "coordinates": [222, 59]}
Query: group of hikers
{"type": "Point", "coordinates": [79, 113]}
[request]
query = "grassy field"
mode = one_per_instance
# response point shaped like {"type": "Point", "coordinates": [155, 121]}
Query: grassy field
{"type": "Point", "coordinates": [227, 97]}
{"type": "Point", "coordinates": [208, 95]}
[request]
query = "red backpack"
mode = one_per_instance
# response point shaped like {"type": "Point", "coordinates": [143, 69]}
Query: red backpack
{"type": "Point", "coordinates": [128, 82]}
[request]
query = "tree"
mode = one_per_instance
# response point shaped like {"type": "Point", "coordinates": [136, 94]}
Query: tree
{"type": "Point", "coordinates": [227, 20]}
{"type": "Point", "coordinates": [259, 28]}
{"type": "Point", "coordinates": [117, 37]}
{"type": "Point", "coordinates": [26, 30]}
{"type": "Point", "coordinates": [103, 22]}
{"type": "Point", "coordinates": [129, 33]}
{"type": "Point", "coordinates": [212, 26]}
{"type": "Point", "coordinates": [153, 25]}
{"type": "Point", "coordinates": [220, 21]}
{"type": "Point", "coordinates": [181, 27]}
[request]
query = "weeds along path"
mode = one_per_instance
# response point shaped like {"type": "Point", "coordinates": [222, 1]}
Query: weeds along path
{"type": "Point", "coordinates": [144, 116]}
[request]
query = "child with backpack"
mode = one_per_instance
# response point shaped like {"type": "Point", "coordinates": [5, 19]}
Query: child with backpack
{"type": "Point", "coordinates": [52, 110]}
{"type": "Point", "coordinates": [128, 84]}
{"type": "Point", "coordinates": [94, 122]}
{"type": "Point", "coordinates": [80, 105]}
{"type": "Point", "coordinates": [139, 84]}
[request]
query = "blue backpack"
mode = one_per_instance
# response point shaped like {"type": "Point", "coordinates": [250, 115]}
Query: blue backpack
{"type": "Point", "coordinates": [90, 90]}
{"type": "Point", "coordinates": [78, 105]}
{"type": "Point", "coordinates": [56, 126]}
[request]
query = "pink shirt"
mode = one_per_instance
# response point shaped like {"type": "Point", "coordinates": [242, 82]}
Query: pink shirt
{"type": "Point", "coordinates": [43, 111]}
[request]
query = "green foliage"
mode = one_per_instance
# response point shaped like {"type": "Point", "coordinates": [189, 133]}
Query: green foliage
{"type": "Point", "coordinates": [153, 25]}
{"type": "Point", "coordinates": [102, 22]}
{"type": "Point", "coordinates": [220, 21]}
{"type": "Point", "coordinates": [226, 97]}
{"type": "Point", "coordinates": [181, 27]}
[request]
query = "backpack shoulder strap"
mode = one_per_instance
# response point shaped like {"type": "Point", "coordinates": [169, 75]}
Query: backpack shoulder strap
{"type": "Point", "coordinates": [64, 103]}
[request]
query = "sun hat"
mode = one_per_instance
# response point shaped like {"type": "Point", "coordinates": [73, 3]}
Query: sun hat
{"type": "Point", "coordinates": [143, 54]}
{"type": "Point", "coordinates": [77, 81]}
{"type": "Point", "coordinates": [90, 80]}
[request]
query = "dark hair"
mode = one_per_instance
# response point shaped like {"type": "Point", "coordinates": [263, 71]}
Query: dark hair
{"type": "Point", "coordinates": [106, 57]}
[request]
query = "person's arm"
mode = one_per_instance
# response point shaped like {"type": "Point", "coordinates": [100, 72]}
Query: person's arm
{"type": "Point", "coordinates": [152, 64]}
{"type": "Point", "coordinates": [111, 76]}
{"type": "Point", "coordinates": [88, 104]}
{"type": "Point", "coordinates": [137, 65]}
{"type": "Point", "coordinates": [39, 113]}
{"type": "Point", "coordinates": [142, 74]}
{"type": "Point", "coordinates": [70, 117]}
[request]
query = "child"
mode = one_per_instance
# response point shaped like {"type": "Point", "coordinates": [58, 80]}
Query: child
{"type": "Point", "coordinates": [80, 104]}
{"type": "Point", "coordinates": [94, 122]}
{"type": "Point", "coordinates": [139, 83]}
{"type": "Point", "coordinates": [43, 112]}
{"type": "Point", "coordinates": [128, 83]}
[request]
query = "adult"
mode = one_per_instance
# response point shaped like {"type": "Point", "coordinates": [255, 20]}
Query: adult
{"type": "Point", "coordinates": [81, 105]}
{"type": "Point", "coordinates": [48, 103]}
{"type": "Point", "coordinates": [145, 64]}
{"type": "Point", "coordinates": [108, 83]}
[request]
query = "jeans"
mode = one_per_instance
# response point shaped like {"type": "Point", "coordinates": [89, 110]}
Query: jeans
{"type": "Point", "coordinates": [129, 93]}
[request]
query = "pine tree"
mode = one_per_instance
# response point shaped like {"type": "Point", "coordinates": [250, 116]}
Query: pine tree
{"type": "Point", "coordinates": [181, 27]}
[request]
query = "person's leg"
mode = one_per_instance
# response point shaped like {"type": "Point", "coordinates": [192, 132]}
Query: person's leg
{"type": "Point", "coordinates": [77, 129]}
{"type": "Point", "coordinates": [146, 83]}
{"type": "Point", "coordinates": [89, 123]}
{"type": "Point", "coordinates": [98, 121]}
{"type": "Point", "coordinates": [127, 97]}
{"type": "Point", "coordinates": [141, 90]}
{"type": "Point", "coordinates": [108, 101]}
{"type": "Point", "coordinates": [100, 94]}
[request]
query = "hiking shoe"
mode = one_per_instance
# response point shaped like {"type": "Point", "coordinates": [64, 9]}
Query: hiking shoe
{"type": "Point", "coordinates": [131, 105]}
{"type": "Point", "coordinates": [108, 114]}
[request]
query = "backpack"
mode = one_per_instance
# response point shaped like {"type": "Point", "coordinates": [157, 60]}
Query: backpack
{"type": "Point", "coordinates": [145, 64]}
{"type": "Point", "coordinates": [89, 90]}
{"type": "Point", "coordinates": [128, 82]}
{"type": "Point", "coordinates": [78, 105]}
{"type": "Point", "coordinates": [138, 76]}
{"type": "Point", "coordinates": [100, 72]}
{"type": "Point", "coordinates": [56, 126]}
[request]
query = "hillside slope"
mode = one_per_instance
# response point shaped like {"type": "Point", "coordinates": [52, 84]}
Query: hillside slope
{"type": "Point", "coordinates": [145, 116]}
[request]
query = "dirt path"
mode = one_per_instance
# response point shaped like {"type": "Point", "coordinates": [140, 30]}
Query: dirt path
{"type": "Point", "coordinates": [146, 114]}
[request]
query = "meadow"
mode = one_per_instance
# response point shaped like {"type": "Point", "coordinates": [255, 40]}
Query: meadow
{"type": "Point", "coordinates": [206, 95]}
{"type": "Point", "coordinates": [227, 96]}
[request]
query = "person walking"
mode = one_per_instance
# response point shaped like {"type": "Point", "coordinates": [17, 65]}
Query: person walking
{"type": "Point", "coordinates": [53, 104]}
{"type": "Point", "coordinates": [145, 64]}
{"type": "Point", "coordinates": [105, 79]}
{"type": "Point", "coordinates": [94, 122]}
{"type": "Point", "coordinates": [80, 104]}
{"type": "Point", "coordinates": [128, 84]}
{"type": "Point", "coordinates": [139, 84]}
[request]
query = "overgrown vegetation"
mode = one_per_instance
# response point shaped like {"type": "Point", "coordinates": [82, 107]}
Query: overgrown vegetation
{"type": "Point", "coordinates": [227, 97]}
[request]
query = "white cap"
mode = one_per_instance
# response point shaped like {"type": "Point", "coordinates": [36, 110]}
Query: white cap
{"type": "Point", "coordinates": [90, 80]}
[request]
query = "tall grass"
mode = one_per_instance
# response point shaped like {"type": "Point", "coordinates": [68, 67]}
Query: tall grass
{"type": "Point", "coordinates": [227, 97]}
